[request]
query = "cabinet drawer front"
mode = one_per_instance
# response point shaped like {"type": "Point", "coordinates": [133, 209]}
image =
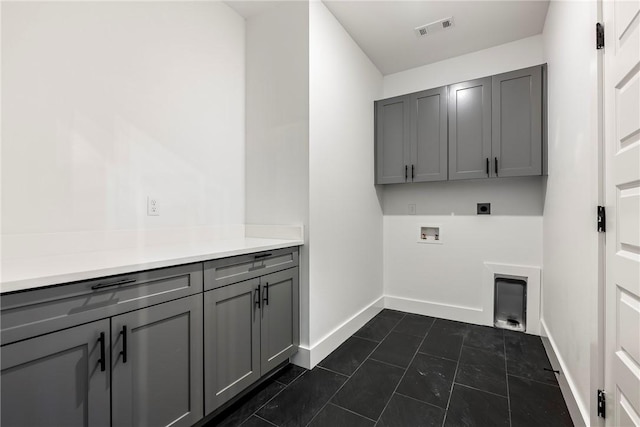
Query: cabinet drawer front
{"type": "Point", "coordinates": [36, 312]}
{"type": "Point", "coordinates": [225, 271]}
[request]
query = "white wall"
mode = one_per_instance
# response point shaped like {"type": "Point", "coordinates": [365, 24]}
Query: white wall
{"type": "Point", "coordinates": [495, 60]}
{"type": "Point", "coordinates": [345, 213]}
{"type": "Point", "coordinates": [570, 287]}
{"type": "Point", "coordinates": [277, 142]}
{"type": "Point", "coordinates": [446, 280]}
{"type": "Point", "coordinates": [105, 103]}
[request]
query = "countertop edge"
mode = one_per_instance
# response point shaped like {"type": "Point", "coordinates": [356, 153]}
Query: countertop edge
{"type": "Point", "coordinates": [75, 276]}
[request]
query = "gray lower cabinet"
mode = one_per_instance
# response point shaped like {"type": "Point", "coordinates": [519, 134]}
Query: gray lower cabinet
{"type": "Point", "coordinates": [279, 318]}
{"type": "Point", "coordinates": [232, 341]}
{"type": "Point", "coordinates": [516, 145]}
{"type": "Point", "coordinates": [157, 365]}
{"type": "Point", "coordinates": [470, 129]}
{"type": "Point", "coordinates": [250, 328]}
{"type": "Point", "coordinates": [58, 379]}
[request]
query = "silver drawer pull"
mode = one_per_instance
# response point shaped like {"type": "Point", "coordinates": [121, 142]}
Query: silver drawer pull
{"type": "Point", "coordinates": [117, 283]}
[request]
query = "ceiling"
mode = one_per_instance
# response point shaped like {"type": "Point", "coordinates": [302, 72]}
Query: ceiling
{"type": "Point", "coordinates": [384, 30]}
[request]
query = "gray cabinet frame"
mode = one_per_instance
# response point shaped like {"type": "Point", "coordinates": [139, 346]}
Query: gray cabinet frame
{"type": "Point", "coordinates": [470, 129]}
{"type": "Point", "coordinates": [429, 135]}
{"type": "Point", "coordinates": [231, 341]}
{"type": "Point", "coordinates": [517, 123]}
{"type": "Point", "coordinates": [60, 379]}
{"type": "Point", "coordinates": [393, 140]}
{"type": "Point", "coordinates": [160, 383]}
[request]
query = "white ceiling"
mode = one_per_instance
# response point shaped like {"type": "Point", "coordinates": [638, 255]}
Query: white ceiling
{"type": "Point", "coordinates": [384, 29]}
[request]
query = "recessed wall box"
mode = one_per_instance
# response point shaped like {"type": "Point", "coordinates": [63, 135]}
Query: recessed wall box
{"type": "Point", "coordinates": [484, 209]}
{"type": "Point", "coordinates": [429, 234]}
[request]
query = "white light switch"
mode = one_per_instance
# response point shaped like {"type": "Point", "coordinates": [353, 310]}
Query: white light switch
{"type": "Point", "coordinates": [412, 209]}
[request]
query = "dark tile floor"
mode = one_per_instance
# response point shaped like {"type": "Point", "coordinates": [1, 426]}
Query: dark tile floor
{"type": "Point", "coordinates": [407, 370]}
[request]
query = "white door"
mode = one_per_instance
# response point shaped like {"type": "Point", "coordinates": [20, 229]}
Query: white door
{"type": "Point", "coordinates": [622, 142]}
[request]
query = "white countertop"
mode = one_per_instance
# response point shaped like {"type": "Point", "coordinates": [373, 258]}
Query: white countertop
{"type": "Point", "coordinates": [28, 273]}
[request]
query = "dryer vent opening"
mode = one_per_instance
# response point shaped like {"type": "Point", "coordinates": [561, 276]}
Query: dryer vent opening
{"type": "Point", "coordinates": [510, 306]}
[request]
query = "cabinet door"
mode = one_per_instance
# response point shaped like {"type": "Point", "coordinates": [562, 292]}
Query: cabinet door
{"type": "Point", "coordinates": [392, 140]}
{"type": "Point", "coordinates": [517, 123]}
{"type": "Point", "coordinates": [429, 135]}
{"type": "Point", "coordinates": [57, 379]}
{"type": "Point", "coordinates": [231, 341]}
{"type": "Point", "coordinates": [157, 365]}
{"type": "Point", "coordinates": [280, 324]}
{"type": "Point", "coordinates": [470, 129]}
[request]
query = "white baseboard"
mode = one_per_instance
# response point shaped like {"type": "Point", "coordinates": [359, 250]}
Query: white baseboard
{"type": "Point", "coordinates": [435, 309]}
{"type": "Point", "coordinates": [577, 409]}
{"type": "Point", "coordinates": [310, 357]}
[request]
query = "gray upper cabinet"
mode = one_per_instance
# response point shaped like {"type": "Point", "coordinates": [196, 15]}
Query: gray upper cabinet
{"type": "Point", "coordinates": [485, 128]}
{"type": "Point", "coordinates": [411, 137]}
{"type": "Point", "coordinates": [393, 152]}
{"type": "Point", "coordinates": [470, 129]}
{"type": "Point", "coordinates": [157, 365]}
{"type": "Point", "coordinates": [231, 341]}
{"type": "Point", "coordinates": [58, 379]}
{"type": "Point", "coordinates": [279, 328]}
{"type": "Point", "coordinates": [517, 123]}
{"type": "Point", "coordinates": [429, 135]}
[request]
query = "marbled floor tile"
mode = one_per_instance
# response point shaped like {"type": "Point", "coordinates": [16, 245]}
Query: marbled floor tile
{"type": "Point", "coordinates": [445, 339]}
{"type": "Point", "coordinates": [527, 358]}
{"type": "Point", "coordinates": [346, 358]}
{"type": "Point", "coordinates": [297, 404]}
{"type": "Point", "coordinates": [429, 379]}
{"type": "Point", "coordinates": [391, 314]}
{"type": "Point", "coordinates": [369, 389]}
{"type": "Point", "coordinates": [256, 422]}
{"type": "Point", "coordinates": [377, 328]}
{"type": "Point", "coordinates": [403, 411]}
{"type": "Point", "coordinates": [469, 407]}
{"type": "Point", "coordinates": [482, 369]}
{"type": "Point", "coordinates": [485, 337]}
{"type": "Point", "coordinates": [537, 404]}
{"type": "Point", "coordinates": [288, 374]}
{"type": "Point", "coordinates": [335, 416]}
{"type": "Point", "coordinates": [397, 349]}
{"type": "Point", "coordinates": [414, 324]}
{"type": "Point", "coordinates": [245, 407]}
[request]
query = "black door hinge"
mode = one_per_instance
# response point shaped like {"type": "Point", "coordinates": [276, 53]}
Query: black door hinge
{"type": "Point", "coordinates": [601, 404]}
{"type": "Point", "coordinates": [599, 36]}
{"type": "Point", "coordinates": [602, 220]}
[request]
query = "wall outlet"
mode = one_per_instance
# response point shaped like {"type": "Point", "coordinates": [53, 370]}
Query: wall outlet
{"type": "Point", "coordinates": [153, 206]}
{"type": "Point", "coordinates": [412, 209]}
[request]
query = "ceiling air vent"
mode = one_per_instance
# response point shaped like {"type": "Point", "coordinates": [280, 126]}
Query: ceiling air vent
{"type": "Point", "coordinates": [442, 24]}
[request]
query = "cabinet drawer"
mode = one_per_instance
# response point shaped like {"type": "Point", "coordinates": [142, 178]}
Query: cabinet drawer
{"type": "Point", "coordinates": [31, 313]}
{"type": "Point", "coordinates": [222, 272]}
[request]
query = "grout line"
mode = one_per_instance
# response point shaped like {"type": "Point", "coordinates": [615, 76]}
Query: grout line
{"type": "Point", "coordinates": [439, 357]}
{"type": "Point", "coordinates": [405, 372]}
{"type": "Point", "coordinates": [367, 339]}
{"type": "Point", "coordinates": [354, 372]}
{"type": "Point", "coordinates": [531, 379]}
{"type": "Point", "coordinates": [446, 411]}
{"type": "Point", "coordinates": [506, 374]}
{"type": "Point", "coordinates": [258, 416]}
{"type": "Point", "coordinates": [349, 410]}
{"type": "Point", "coordinates": [483, 391]}
{"type": "Point", "coordinates": [333, 372]}
{"type": "Point", "coordinates": [418, 400]}
{"type": "Point", "coordinates": [388, 364]}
